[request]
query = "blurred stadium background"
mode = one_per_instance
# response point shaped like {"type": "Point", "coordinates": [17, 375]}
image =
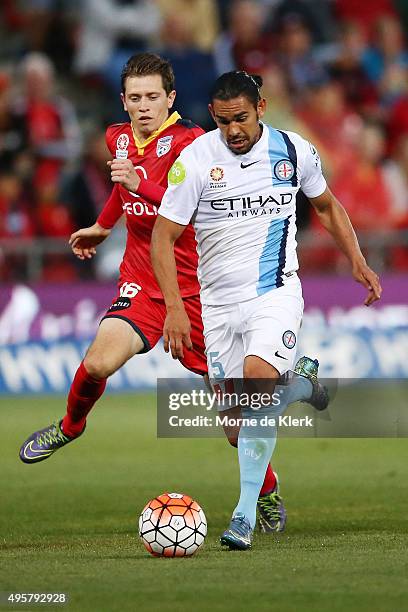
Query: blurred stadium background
{"type": "Point", "coordinates": [334, 70]}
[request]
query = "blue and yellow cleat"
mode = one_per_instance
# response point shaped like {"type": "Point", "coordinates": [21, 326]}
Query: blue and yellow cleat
{"type": "Point", "coordinates": [43, 443]}
{"type": "Point", "coordinates": [238, 536]}
{"type": "Point", "coordinates": [309, 368]}
{"type": "Point", "coordinates": [272, 513]}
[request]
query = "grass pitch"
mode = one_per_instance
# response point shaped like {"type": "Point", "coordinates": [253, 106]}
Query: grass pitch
{"type": "Point", "coordinates": [69, 524]}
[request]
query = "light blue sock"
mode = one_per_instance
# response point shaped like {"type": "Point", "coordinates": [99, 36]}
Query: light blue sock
{"type": "Point", "coordinates": [254, 455]}
{"type": "Point", "coordinates": [299, 388]}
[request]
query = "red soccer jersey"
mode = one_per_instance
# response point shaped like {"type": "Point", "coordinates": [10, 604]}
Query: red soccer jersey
{"type": "Point", "coordinates": [152, 160]}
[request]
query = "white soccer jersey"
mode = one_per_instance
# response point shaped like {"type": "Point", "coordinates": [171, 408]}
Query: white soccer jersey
{"type": "Point", "coordinates": [243, 208]}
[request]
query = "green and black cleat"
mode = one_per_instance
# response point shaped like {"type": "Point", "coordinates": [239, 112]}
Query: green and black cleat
{"type": "Point", "coordinates": [309, 368]}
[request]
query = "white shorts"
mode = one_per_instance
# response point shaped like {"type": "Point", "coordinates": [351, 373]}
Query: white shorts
{"type": "Point", "coordinates": [266, 326]}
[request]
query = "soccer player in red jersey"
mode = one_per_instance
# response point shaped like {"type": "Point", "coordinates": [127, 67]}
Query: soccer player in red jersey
{"type": "Point", "coordinates": [143, 151]}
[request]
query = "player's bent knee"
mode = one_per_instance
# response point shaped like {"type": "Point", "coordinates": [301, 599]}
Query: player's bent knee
{"type": "Point", "coordinates": [98, 366]}
{"type": "Point", "coordinates": [115, 343]}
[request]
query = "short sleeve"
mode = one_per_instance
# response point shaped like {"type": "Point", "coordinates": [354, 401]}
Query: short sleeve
{"type": "Point", "coordinates": [108, 140]}
{"type": "Point", "coordinates": [312, 181]}
{"type": "Point", "coordinates": [185, 185]}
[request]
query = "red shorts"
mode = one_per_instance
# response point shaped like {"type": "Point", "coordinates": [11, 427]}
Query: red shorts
{"type": "Point", "coordinates": [146, 315]}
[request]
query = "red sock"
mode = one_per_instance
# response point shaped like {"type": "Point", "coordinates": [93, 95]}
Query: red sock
{"type": "Point", "coordinates": [84, 392]}
{"type": "Point", "coordinates": [269, 481]}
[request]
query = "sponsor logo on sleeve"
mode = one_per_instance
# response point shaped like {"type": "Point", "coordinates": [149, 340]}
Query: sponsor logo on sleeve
{"type": "Point", "coordinates": [315, 154]}
{"type": "Point", "coordinates": [177, 173]}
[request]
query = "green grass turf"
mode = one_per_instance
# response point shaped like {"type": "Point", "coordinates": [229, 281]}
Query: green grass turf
{"type": "Point", "coordinates": [70, 523]}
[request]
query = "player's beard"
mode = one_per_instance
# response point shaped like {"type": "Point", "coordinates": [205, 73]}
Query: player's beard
{"type": "Point", "coordinates": [249, 143]}
{"type": "Point", "coordinates": [242, 149]}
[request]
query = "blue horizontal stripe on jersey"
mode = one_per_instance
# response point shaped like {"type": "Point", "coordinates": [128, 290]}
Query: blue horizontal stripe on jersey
{"type": "Point", "coordinates": [280, 147]}
{"type": "Point", "coordinates": [273, 257]}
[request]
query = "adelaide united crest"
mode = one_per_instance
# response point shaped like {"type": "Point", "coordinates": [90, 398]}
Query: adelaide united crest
{"type": "Point", "coordinates": [163, 145]}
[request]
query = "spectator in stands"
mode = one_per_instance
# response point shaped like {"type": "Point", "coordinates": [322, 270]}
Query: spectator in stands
{"type": "Point", "coordinates": [195, 13]}
{"type": "Point", "coordinates": [335, 128]}
{"type": "Point", "coordinates": [15, 207]}
{"type": "Point", "coordinates": [279, 110]}
{"type": "Point", "coordinates": [224, 7]}
{"type": "Point", "coordinates": [194, 70]}
{"type": "Point", "coordinates": [401, 7]}
{"type": "Point", "coordinates": [244, 45]}
{"type": "Point", "coordinates": [365, 14]}
{"type": "Point", "coordinates": [345, 67]}
{"type": "Point", "coordinates": [317, 16]}
{"type": "Point", "coordinates": [13, 137]}
{"type": "Point", "coordinates": [392, 87]}
{"type": "Point", "coordinates": [16, 223]}
{"type": "Point", "coordinates": [362, 187]}
{"type": "Point", "coordinates": [386, 65]}
{"type": "Point", "coordinates": [296, 55]}
{"type": "Point", "coordinates": [396, 179]}
{"type": "Point", "coordinates": [111, 31]}
{"type": "Point", "coordinates": [47, 26]}
{"type": "Point", "coordinates": [88, 188]}
{"type": "Point", "coordinates": [53, 132]}
{"type": "Point", "coordinates": [387, 50]}
{"type": "Point", "coordinates": [53, 220]}
{"type": "Point", "coordinates": [397, 123]}
{"type": "Point", "coordinates": [52, 216]}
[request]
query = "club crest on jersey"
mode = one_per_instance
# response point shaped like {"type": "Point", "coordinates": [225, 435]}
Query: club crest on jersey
{"type": "Point", "coordinates": [163, 145]}
{"type": "Point", "coordinates": [289, 339]}
{"type": "Point", "coordinates": [122, 144]}
{"type": "Point", "coordinates": [284, 170]}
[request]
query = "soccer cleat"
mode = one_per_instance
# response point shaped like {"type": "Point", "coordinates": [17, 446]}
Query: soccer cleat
{"type": "Point", "coordinates": [238, 536]}
{"type": "Point", "coordinates": [309, 368]}
{"type": "Point", "coordinates": [43, 443]}
{"type": "Point", "coordinates": [272, 513]}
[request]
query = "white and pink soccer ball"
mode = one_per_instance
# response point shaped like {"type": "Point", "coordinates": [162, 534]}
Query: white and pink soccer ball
{"type": "Point", "coordinates": [172, 525]}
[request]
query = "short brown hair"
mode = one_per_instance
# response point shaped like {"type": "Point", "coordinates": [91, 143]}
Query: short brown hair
{"type": "Point", "coordinates": [143, 64]}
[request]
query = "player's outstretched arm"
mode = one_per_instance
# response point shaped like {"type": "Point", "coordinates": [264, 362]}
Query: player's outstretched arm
{"type": "Point", "coordinates": [176, 330]}
{"type": "Point", "coordinates": [84, 241]}
{"type": "Point", "coordinates": [336, 220]}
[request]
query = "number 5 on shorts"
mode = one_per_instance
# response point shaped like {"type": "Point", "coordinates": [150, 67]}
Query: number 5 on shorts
{"type": "Point", "coordinates": [216, 366]}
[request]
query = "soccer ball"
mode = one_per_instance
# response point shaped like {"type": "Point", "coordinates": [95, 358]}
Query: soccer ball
{"type": "Point", "coordinates": [172, 525]}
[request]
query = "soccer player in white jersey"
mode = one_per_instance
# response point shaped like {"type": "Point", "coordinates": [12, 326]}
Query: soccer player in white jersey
{"type": "Point", "coordinates": [238, 185]}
